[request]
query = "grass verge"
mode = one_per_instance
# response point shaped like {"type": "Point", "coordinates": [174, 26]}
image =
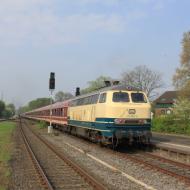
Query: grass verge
{"type": "Point", "coordinates": [6, 146]}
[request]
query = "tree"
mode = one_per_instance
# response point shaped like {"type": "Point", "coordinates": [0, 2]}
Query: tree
{"type": "Point", "coordinates": [7, 114]}
{"type": "Point", "coordinates": [62, 96]}
{"type": "Point", "coordinates": [95, 84]}
{"type": "Point", "coordinates": [144, 79]}
{"type": "Point", "coordinates": [181, 78]}
{"type": "Point", "coordinates": [181, 114]}
{"type": "Point", "coordinates": [39, 102]}
{"type": "Point", "coordinates": [11, 108]}
{"type": "Point", "coordinates": [23, 109]}
{"type": "Point", "coordinates": [34, 104]}
{"type": "Point", "coordinates": [2, 108]}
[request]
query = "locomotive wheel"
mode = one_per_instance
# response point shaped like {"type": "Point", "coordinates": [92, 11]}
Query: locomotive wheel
{"type": "Point", "coordinates": [115, 143]}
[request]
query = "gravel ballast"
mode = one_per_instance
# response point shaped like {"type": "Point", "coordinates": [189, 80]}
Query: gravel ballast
{"type": "Point", "coordinates": [116, 179]}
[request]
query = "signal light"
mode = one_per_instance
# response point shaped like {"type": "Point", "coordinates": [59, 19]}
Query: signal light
{"type": "Point", "coordinates": [52, 81]}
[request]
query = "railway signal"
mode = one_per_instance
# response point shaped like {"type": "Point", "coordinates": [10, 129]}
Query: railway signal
{"type": "Point", "coordinates": [52, 82]}
{"type": "Point", "coordinates": [51, 88]}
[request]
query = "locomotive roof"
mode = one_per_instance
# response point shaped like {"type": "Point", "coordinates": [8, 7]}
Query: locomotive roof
{"type": "Point", "coordinates": [104, 89]}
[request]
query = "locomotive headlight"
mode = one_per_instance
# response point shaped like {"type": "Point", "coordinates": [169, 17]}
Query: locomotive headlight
{"type": "Point", "coordinates": [119, 121]}
{"type": "Point", "coordinates": [143, 121]}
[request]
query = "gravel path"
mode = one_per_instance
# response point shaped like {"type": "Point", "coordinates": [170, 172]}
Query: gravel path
{"type": "Point", "coordinates": [23, 174]}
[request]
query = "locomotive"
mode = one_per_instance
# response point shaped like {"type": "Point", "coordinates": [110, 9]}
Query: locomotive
{"type": "Point", "coordinates": [109, 116]}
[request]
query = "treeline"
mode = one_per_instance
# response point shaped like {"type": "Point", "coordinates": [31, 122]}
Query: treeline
{"type": "Point", "coordinates": [179, 120]}
{"type": "Point", "coordinates": [34, 104]}
{"type": "Point", "coordinates": [6, 110]}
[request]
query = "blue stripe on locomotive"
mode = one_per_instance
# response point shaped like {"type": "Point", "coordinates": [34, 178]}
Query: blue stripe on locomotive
{"type": "Point", "coordinates": [108, 127]}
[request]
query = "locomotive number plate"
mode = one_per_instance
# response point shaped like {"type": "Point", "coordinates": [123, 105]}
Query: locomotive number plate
{"type": "Point", "coordinates": [132, 111]}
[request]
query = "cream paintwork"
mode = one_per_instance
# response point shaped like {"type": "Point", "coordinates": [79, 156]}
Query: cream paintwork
{"type": "Point", "coordinates": [110, 109]}
{"type": "Point", "coordinates": [83, 113]}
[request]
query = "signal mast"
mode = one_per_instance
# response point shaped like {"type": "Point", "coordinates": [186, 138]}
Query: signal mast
{"type": "Point", "coordinates": [51, 89]}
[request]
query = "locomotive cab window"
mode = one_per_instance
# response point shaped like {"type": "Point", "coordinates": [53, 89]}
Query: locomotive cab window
{"type": "Point", "coordinates": [103, 98]}
{"type": "Point", "coordinates": [120, 97]}
{"type": "Point", "coordinates": [138, 98]}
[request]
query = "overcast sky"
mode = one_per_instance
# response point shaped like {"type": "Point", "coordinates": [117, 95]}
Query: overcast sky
{"type": "Point", "coordinates": [80, 40]}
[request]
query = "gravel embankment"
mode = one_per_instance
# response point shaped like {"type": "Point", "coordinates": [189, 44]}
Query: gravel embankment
{"type": "Point", "coordinates": [115, 178]}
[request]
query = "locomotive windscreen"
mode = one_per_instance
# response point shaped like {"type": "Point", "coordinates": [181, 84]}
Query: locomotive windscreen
{"type": "Point", "coordinates": [138, 98]}
{"type": "Point", "coordinates": [120, 97]}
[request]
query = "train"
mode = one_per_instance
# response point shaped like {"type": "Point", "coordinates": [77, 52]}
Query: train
{"type": "Point", "coordinates": [109, 116]}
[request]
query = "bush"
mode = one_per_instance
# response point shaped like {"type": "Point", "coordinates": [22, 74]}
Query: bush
{"type": "Point", "coordinates": [171, 124]}
{"type": "Point", "coordinates": [42, 124]}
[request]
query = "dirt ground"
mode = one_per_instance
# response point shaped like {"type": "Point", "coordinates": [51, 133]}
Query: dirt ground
{"type": "Point", "coordinates": [23, 175]}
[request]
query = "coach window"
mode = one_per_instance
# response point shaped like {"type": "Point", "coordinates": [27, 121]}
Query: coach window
{"type": "Point", "coordinates": [61, 112]}
{"type": "Point", "coordinates": [103, 98]}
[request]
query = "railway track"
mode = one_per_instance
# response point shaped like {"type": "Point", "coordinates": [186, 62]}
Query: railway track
{"type": "Point", "coordinates": [175, 169]}
{"type": "Point", "coordinates": [55, 170]}
{"type": "Point", "coordinates": [41, 174]}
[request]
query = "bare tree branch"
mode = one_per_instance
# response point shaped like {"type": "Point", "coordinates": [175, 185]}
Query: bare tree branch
{"type": "Point", "coordinates": [145, 79]}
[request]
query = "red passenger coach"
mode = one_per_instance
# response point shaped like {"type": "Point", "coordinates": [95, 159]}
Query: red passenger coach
{"type": "Point", "coordinates": [59, 113]}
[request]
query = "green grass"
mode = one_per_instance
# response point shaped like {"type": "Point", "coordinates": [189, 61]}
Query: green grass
{"type": "Point", "coordinates": [6, 129]}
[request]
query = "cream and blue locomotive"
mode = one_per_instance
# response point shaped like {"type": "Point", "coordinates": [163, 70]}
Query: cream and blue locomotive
{"type": "Point", "coordinates": [111, 115]}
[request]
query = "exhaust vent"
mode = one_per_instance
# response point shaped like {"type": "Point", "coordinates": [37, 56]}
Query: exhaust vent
{"type": "Point", "coordinates": [77, 91]}
{"type": "Point", "coordinates": [116, 82]}
{"type": "Point", "coordinates": [107, 83]}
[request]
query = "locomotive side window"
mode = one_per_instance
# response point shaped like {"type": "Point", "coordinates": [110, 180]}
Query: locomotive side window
{"type": "Point", "coordinates": [85, 101]}
{"type": "Point", "coordinates": [138, 98]}
{"type": "Point", "coordinates": [120, 97]}
{"type": "Point", "coordinates": [95, 99]}
{"type": "Point", "coordinates": [103, 98]}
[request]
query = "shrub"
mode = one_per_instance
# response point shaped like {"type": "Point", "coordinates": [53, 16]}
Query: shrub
{"type": "Point", "coordinates": [171, 124]}
{"type": "Point", "coordinates": [42, 124]}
